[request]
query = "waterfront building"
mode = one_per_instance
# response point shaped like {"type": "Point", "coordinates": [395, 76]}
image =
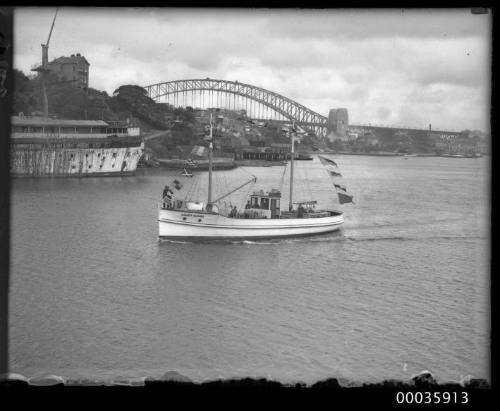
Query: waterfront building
{"type": "Point", "coordinates": [48, 147]}
{"type": "Point", "coordinates": [73, 69]}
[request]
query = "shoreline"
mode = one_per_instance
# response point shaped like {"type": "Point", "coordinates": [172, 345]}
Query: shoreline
{"type": "Point", "coordinates": [258, 163]}
{"type": "Point", "coordinates": [385, 154]}
{"type": "Point", "coordinates": [224, 164]}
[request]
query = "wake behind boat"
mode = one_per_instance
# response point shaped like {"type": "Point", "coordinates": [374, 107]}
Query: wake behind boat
{"type": "Point", "coordinates": [261, 218]}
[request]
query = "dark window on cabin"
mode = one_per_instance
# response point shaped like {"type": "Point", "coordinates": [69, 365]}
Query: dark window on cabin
{"type": "Point", "coordinates": [264, 203]}
{"type": "Point", "coordinates": [254, 202]}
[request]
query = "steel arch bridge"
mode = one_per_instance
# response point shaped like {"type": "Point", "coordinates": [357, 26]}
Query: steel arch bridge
{"type": "Point", "coordinates": [287, 108]}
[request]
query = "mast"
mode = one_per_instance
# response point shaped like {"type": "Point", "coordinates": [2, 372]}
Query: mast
{"type": "Point", "coordinates": [290, 205]}
{"type": "Point", "coordinates": [210, 148]}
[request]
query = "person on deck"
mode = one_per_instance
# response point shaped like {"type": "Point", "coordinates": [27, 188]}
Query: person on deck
{"type": "Point", "coordinates": [167, 197]}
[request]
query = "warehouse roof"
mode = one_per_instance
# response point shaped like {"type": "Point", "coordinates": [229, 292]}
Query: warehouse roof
{"type": "Point", "coordinates": [42, 121]}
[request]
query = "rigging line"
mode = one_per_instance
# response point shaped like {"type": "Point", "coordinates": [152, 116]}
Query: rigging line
{"type": "Point", "coordinates": [246, 171]}
{"type": "Point", "coordinates": [198, 187]}
{"type": "Point", "coordinates": [190, 188]}
{"type": "Point", "coordinates": [187, 185]}
{"type": "Point", "coordinates": [308, 185]}
{"type": "Point", "coordinates": [225, 184]}
{"type": "Point", "coordinates": [283, 177]}
{"type": "Point", "coordinates": [331, 178]}
{"type": "Point", "coordinates": [243, 203]}
{"type": "Point", "coordinates": [194, 188]}
{"type": "Point", "coordinates": [217, 182]}
{"type": "Point", "coordinates": [300, 181]}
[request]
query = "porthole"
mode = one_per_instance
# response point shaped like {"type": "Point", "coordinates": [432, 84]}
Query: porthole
{"type": "Point", "coordinates": [199, 220]}
{"type": "Point", "coordinates": [183, 218]}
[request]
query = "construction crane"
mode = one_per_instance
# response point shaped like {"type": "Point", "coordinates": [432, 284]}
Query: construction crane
{"type": "Point", "coordinates": [44, 68]}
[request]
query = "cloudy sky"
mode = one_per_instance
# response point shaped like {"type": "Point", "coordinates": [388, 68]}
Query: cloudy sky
{"type": "Point", "coordinates": [395, 67]}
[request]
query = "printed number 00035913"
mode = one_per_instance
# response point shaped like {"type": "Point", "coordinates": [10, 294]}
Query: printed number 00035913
{"type": "Point", "coordinates": [427, 397]}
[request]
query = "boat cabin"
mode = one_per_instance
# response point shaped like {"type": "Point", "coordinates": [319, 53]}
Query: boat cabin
{"type": "Point", "coordinates": [264, 205]}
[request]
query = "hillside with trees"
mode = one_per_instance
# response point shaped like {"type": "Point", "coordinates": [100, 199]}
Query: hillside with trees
{"type": "Point", "coordinates": [129, 102]}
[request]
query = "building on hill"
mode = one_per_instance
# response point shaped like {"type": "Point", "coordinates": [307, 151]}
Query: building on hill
{"type": "Point", "coordinates": [73, 69]}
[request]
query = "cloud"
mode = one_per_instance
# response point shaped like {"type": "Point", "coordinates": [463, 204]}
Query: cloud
{"type": "Point", "coordinates": [410, 62]}
{"type": "Point", "coordinates": [378, 23]}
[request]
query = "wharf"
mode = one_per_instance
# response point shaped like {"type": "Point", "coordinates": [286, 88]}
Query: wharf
{"type": "Point", "coordinates": [217, 164]}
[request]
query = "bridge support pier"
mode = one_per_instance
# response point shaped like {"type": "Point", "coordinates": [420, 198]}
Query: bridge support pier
{"type": "Point", "coordinates": [338, 122]}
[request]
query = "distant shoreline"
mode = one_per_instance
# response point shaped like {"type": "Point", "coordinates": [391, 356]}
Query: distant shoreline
{"type": "Point", "coordinates": [223, 163]}
{"type": "Point", "coordinates": [389, 154]}
{"type": "Point", "coordinates": [258, 163]}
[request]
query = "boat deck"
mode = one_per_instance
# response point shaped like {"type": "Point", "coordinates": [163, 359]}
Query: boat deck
{"type": "Point", "coordinates": [254, 216]}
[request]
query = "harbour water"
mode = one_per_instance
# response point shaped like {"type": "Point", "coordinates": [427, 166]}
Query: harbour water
{"type": "Point", "coordinates": [403, 287]}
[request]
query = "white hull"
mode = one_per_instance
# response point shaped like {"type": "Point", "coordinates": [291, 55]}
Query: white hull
{"type": "Point", "coordinates": [177, 224]}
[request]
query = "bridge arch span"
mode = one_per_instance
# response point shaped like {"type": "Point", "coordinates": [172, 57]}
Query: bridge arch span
{"type": "Point", "coordinates": [282, 105]}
